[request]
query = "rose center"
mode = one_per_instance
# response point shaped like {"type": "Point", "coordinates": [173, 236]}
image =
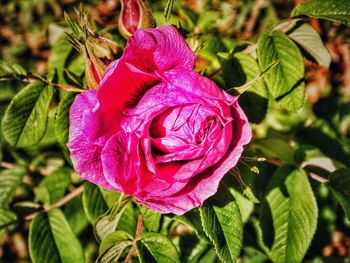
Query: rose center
{"type": "Point", "coordinates": [184, 126]}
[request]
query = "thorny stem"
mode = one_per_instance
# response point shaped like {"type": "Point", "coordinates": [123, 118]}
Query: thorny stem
{"type": "Point", "coordinates": [131, 253]}
{"type": "Point", "coordinates": [77, 191]}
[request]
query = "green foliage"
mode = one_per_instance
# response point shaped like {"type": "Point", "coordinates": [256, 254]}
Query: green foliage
{"type": "Point", "coordinates": [108, 222]}
{"type": "Point", "coordinates": [222, 222]}
{"type": "Point", "coordinates": [6, 217]}
{"type": "Point", "coordinates": [160, 247]}
{"type": "Point", "coordinates": [309, 39]}
{"type": "Point", "coordinates": [25, 120]}
{"type": "Point", "coordinates": [58, 58]}
{"type": "Point", "coordinates": [53, 187]}
{"type": "Point", "coordinates": [292, 208]}
{"type": "Point", "coordinates": [339, 183]}
{"type": "Point", "coordinates": [62, 118]}
{"type": "Point", "coordinates": [286, 78]}
{"type": "Point", "coordinates": [10, 179]}
{"type": "Point", "coordinates": [151, 219]}
{"type": "Point", "coordinates": [167, 10]}
{"type": "Point", "coordinates": [113, 246]}
{"type": "Point", "coordinates": [93, 201]}
{"type": "Point", "coordinates": [8, 69]}
{"type": "Point", "coordinates": [52, 240]}
{"type": "Point", "coordinates": [334, 10]}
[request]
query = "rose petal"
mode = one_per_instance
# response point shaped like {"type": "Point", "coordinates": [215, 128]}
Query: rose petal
{"type": "Point", "coordinates": [161, 48]}
{"type": "Point", "coordinates": [205, 184]}
{"type": "Point", "coordinates": [84, 154]}
{"type": "Point", "coordinates": [120, 162]}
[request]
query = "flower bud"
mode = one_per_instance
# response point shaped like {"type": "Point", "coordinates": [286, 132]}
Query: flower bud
{"type": "Point", "coordinates": [100, 52]}
{"type": "Point", "coordinates": [134, 14]}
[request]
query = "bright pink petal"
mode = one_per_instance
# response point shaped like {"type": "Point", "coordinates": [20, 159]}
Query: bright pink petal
{"type": "Point", "coordinates": [202, 186]}
{"type": "Point", "coordinates": [120, 162]}
{"type": "Point", "coordinates": [161, 48]}
{"type": "Point", "coordinates": [84, 154]}
{"type": "Point", "coordinates": [204, 183]}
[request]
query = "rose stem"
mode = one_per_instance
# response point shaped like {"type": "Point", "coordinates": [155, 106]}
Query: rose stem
{"type": "Point", "coordinates": [77, 191]}
{"type": "Point", "coordinates": [137, 235]}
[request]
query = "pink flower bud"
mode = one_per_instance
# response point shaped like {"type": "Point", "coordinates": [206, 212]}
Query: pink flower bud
{"type": "Point", "coordinates": [134, 14]}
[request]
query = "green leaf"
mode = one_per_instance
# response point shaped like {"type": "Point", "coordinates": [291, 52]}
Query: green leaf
{"type": "Point", "coordinates": [113, 246]}
{"type": "Point", "coordinates": [192, 219]}
{"type": "Point", "coordinates": [75, 215]}
{"type": "Point", "coordinates": [339, 183]}
{"type": "Point", "coordinates": [9, 69]}
{"type": "Point", "coordinates": [282, 78]}
{"type": "Point", "coordinates": [151, 219]}
{"type": "Point", "coordinates": [128, 221]}
{"type": "Point", "coordinates": [329, 145]}
{"type": "Point", "coordinates": [60, 52]}
{"type": "Point", "coordinates": [222, 222]}
{"type": "Point", "coordinates": [241, 89]}
{"type": "Point", "coordinates": [246, 206]}
{"type": "Point", "coordinates": [192, 250]}
{"type": "Point", "coordinates": [93, 202]}
{"type": "Point", "coordinates": [293, 208]}
{"type": "Point", "coordinates": [108, 222]}
{"type": "Point", "coordinates": [294, 100]}
{"type": "Point", "coordinates": [52, 240]}
{"type": "Point", "coordinates": [334, 10]}
{"type": "Point", "coordinates": [53, 187]}
{"type": "Point", "coordinates": [6, 217]}
{"type": "Point", "coordinates": [238, 70]}
{"type": "Point", "coordinates": [62, 118]}
{"type": "Point", "coordinates": [308, 38]}
{"type": "Point", "coordinates": [25, 120]}
{"type": "Point", "coordinates": [276, 148]}
{"type": "Point", "coordinates": [10, 179]}
{"type": "Point", "coordinates": [167, 10]}
{"type": "Point", "coordinates": [160, 247]}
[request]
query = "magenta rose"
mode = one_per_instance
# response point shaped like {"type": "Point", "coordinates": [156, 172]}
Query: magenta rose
{"type": "Point", "coordinates": [155, 129]}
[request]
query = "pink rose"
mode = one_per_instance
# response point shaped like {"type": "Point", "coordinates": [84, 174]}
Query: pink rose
{"type": "Point", "coordinates": [155, 129]}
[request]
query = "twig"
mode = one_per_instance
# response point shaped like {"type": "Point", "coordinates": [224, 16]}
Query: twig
{"type": "Point", "coordinates": [318, 178]}
{"type": "Point", "coordinates": [65, 87]}
{"type": "Point", "coordinates": [131, 253]}
{"type": "Point", "coordinates": [255, 11]}
{"type": "Point", "coordinates": [215, 73]}
{"type": "Point", "coordinates": [77, 191]}
{"type": "Point", "coordinates": [7, 165]}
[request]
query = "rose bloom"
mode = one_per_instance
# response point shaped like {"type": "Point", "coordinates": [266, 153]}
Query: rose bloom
{"type": "Point", "coordinates": [155, 129]}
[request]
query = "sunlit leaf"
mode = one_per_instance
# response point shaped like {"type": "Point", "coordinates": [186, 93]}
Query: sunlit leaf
{"type": "Point", "coordinates": [222, 222]}
{"type": "Point", "coordinates": [25, 120]}
{"type": "Point", "coordinates": [52, 240]}
{"type": "Point", "coordinates": [334, 10]}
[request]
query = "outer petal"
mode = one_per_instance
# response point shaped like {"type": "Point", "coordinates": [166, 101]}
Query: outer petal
{"type": "Point", "coordinates": [161, 48]}
{"type": "Point", "coordinates": [84, 154]}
